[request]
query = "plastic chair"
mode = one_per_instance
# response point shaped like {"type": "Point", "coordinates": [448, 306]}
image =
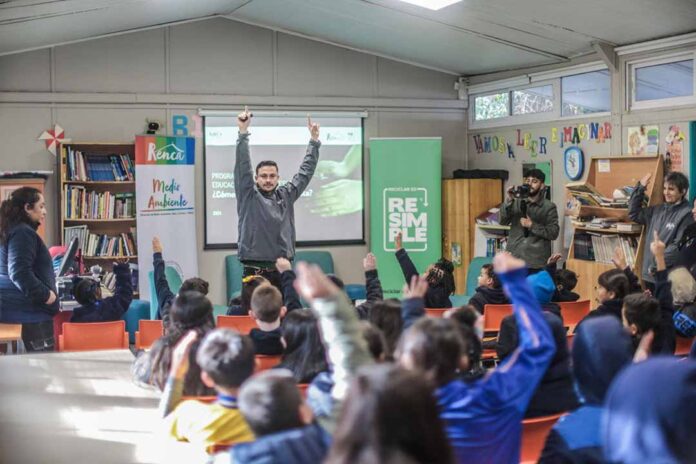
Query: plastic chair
{"type": "Point", "coordinates": [322, 258]}
{"type": "Point", "coordinates": [436, 312]}
{"type": "Point", "coordinates": [473, 272]}
{"type": "Point", "coordinates": [459, 300]}
{"type": "Point", "coordinates": [148, 333]}
{"type": "Point", "coordinates": [356, 291]}
{"type": "Point", "coordinates": [174, 281]}
{"type": "Point", "coordinates": [234, 271]}
{"type": "Point", "coordinates": [242, 324]}
{"type": "Point", "coordinates": [574, 311]}
{"type": "Point", "coordinates": [265, 362]}
{"type": "Point", "coordinates": [493, 316]}
{"type": "Point", "coordinates": [91, 336]}
{"type": "Point", "coordinates": [534, 433]}
{"type": "Point", "coordinates": [683, 346]}
{"type": "Point", "coordinates": [138, 309]}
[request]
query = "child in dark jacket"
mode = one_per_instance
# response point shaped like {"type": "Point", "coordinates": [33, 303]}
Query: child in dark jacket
{"type": "Point", "coordinates": [489, 290]}
{"type": "Point", "coordinates": [95, 309]}
{"type": "Point", "coordinates": [482, 418]}
{"type": "Point", "coordinates": [267, 310]}
{"type": "Point", "coordinates": [439, 276]}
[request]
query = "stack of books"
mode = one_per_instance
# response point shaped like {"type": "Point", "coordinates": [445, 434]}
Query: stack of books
{"type": "Point", "coordinates": [81, 232]}
{"type": "Point", "coordinates": [490, 217]}
{"type": "Point", "coordinates": [588, 195]}
{"type": "Point", "coordinates": [81, 204]}
{"type": "Point", "coordinates": [104, 245]}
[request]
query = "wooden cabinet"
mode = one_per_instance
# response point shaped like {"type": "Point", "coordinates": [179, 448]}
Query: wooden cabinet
{"type": "Point", "coordinates": [607, 174]}
{"type": "Point", "coordinates": [462, 201]}
{"type": "Point", "coordinates": [7, 186]}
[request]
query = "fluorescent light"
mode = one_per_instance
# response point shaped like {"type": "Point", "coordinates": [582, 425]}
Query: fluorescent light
{"type": "Point", "coordinates": [432, 4]}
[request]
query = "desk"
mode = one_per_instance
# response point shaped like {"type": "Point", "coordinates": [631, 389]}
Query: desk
{"type": "Point", "coordinates": [81, 407]}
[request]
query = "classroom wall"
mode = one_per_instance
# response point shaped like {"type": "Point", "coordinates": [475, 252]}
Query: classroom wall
{"type": "Point", "coordinates": [104, 90]}
{"type": "Point", "coordinates": [621, 119]}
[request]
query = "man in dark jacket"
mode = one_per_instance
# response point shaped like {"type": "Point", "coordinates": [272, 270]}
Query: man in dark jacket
{"type": "Point", "coordinates": [601, 349]}
{"type": "Point", "coordinates": [533, 222]}
{"type": "Point", "coordinates": [669, 219]}
{"type": "Point", "coordinates": [95, 309]}
{"type": "Point", "coordinates": [266, 211]}
{"type": "Point", "coordinates": [489, 290]}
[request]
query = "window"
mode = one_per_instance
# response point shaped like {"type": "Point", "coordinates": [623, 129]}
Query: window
{"type": "Point", "coordinates": [492, 106]}
{"type": "Point", "coordinates": [532, 100]}
{"type": "Point", "coordinates": [668, 80]}
{"type": "Point", "coordinates": [586, 93]}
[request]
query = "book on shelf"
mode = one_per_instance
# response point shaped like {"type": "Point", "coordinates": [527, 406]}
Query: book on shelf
{"type": "Point", "coordinates": [494, 245]}
{"type": "Point", "coordinates": [588, 195]}
{"type": "Point", "coordinates": [98, 245]}
{"type": "Point", "coordinates": [81, 204]}
{"type": "Point", "coordinates": [600, 247]}
{"type": "Point", "coordinates": [490, 217]}
{"type": "Point", "coordinates": [81, 232]}
{"type": "Point", "coordinates": [98, 168]}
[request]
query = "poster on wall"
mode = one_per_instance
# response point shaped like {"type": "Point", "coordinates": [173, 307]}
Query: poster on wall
{"type": "Point", "coordinates": [165, 201]}
{"type": "Point", "coordinates": [405, 197]}
{"type": "Point", "coordinates": [643, 140]}
{"type": "Point", "coordinates": [674, 149]}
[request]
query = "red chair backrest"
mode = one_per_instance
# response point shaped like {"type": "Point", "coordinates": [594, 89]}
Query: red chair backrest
{"type": "Point", "coordinates": [683, 346]}
{"type": "Point", "coordinates": [436, 312]}
{"type": "Point", "coordinates": [242, 324]}
{"type": "Point", "coordinates": [493, 316]}
{"type": "Point", "coordinates": [148, 333]}
{"type": "Point", "coordinates": [265, 362]}
{"type": "Point", "coordinates": [574, 311]}
{"type": "Point", "coordinates": [88, 336]}
{"type": "Point", "coordinates": [534, 433]}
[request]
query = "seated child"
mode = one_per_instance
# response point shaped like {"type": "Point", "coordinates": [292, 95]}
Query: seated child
{"type": "Point", "coordinates": [612, 287]}
{"type": "Point", "coordinates": [489, 290]}
{"type": "Point", "coordinates": [601, 349]}
{"type": "Point", "coordinates": [439, 275]}
{"type": "Point", "coordinates": [226, 359]}
{"type": "Point", "coordinates": [386, 316]}
{"type": "Point", "coordinates": [95, 309]}
{"type": "Point", "coordinates": [241, 305]}
{"type": "Point", "coordinates": [165, 296]}
{"type": "Point", "coordinates": [304, 354]}
{"type": "Point", "coordinates": [470, 323]}
{"type": "Point", "coordinates": [282, 422]}
{"type": "Point", "coordinates": [684, 297]}
{"type": "Point", "coordinates": [267, 310]}
{"type": "Point", "coordinates": [565, 280]}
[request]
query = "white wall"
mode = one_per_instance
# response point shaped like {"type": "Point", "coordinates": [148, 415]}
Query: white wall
{"type": "Point", "coordinates": [104, 90]}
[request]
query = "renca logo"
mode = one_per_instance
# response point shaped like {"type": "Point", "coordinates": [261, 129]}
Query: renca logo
{"type": "Point", "coordinates": [167, 153]}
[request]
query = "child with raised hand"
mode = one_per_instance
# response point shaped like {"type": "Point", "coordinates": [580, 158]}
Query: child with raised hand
{"type": "Point", "coordinates": [439, 275]}
{"type": "Point", "coordinates": [94, 308]}
{"type": "Point", "coordinates": [483, 418]}
{"type": "Point", "coordinates": [226, 359]}
{"type": "Point", "coordinates": [489, 290]}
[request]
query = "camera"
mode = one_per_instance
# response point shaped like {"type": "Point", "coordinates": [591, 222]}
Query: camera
{"type": "Point", "coordinates": [152, 127]}
{"type": "Point", "coordinates": [520, 191]}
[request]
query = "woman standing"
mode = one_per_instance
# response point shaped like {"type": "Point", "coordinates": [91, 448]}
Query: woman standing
{"type": "Point", "coordinates": [27, 279]}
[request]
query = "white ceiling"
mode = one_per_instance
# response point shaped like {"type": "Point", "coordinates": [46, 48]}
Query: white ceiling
{"type": "Point", "coordinates": [468, 38]}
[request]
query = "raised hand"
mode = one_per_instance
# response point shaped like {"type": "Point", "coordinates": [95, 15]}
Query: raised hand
{"type": "Point", "coordinates": [312, 283]}
{"type": "Point", "coordinates": [646, 178]}
{"type": "Point", "coordinates": [180, 355]}
{"type": "Point", "coordinates": [554, 258]}
{"type": "Point", "coordinates": [398, 242]}
{"type": "Point", "coordinates": [619, 259]}
{"type": "Point", "coordinates": [417, 287]}
{"type": "Point", "coordinates": [243, 120]}
{"type": "Point", "coordinates": [283, 265]}
{"type": "Point", "coordinates": [505, 262]}
{"type": "Point", "coordinates": [657, 246]}
{"type": "Point", "coordinates": [643, 350]}
{"type": "Point", "coordinates": [313, 128]}
{"type": "Point", "coordinates": [369, 262]}
{"type": "Point", "coordinates": [156, 245]}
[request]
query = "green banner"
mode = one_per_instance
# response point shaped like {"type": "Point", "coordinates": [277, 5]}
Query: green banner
{"type": "Point", "coordinates": [406, 197]}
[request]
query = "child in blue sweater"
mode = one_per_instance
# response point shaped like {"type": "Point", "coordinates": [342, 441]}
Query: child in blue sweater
{"type": "Point", "coordinates": [483, 418]}
{"type": "Point", "coordinates": [95, 309]}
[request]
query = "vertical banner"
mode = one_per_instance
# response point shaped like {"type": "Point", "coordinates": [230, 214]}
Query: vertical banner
{"type": "Point", "coordinates": [164, 191]}
{"type": "Point", "coordinates": [405, 196]}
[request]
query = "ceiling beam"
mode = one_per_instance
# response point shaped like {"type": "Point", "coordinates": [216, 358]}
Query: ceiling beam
{"type": "Point", "coordinates": [606, 52]}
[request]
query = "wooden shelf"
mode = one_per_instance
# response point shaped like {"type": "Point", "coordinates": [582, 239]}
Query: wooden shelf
{"type": "Point", "coordinates": [606, 231]}
{"type": "Point", "coordinates": [99, 182]}
{"type": "Point", "coordinates": [101, 220]}
{"type": "Point", "coordinates": [109, 257]}
{"type": "Point", "coordinates": [493, 227]}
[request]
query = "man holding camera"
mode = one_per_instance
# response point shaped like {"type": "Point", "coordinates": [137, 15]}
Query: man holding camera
{"type": "Point", "coordinates": [533, 221]}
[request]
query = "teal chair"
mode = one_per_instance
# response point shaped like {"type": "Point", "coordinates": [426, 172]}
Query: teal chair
{"type": "Point", "coordinates": [174, 280]}
{"type": "Point", "coordinates": [473, 272]}
{"type": "Point", "coordinates": [138, 309]}
{"type": "Point", "coordinates": [219, 310]}
{"type": "Point", "coordinates": [459, 300]}
{"type": "Point", "coordinates": [234, 271]}
{"type": "Point", "coordinates": [321, 258]}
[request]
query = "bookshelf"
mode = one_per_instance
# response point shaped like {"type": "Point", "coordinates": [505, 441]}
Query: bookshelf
{"type": "Point", "coordinates": [97, 191]}
{"type": "Point", "coordinates": [606, 174]}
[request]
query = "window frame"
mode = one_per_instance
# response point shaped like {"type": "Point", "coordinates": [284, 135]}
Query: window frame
{"type": "Point", "coordinates": [633, 65]}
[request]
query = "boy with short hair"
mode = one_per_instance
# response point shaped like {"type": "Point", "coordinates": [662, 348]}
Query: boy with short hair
{"type": "Point", "coordinates": [226, 360]}
{"type": "Point", "coordinates": [95, 309]}
{"type": "Point", "coordinates": [489, 290]}
{"type": "Point", "coordinates": [267, 310]}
